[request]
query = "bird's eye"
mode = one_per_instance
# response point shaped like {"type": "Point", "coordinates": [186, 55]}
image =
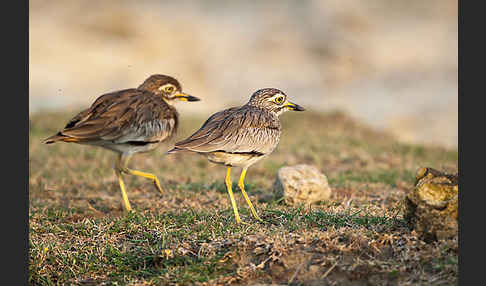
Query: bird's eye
{"type": "Point", "coordinates": [279, 100]}
{"type": "Point", "coordinates": [169, 89]}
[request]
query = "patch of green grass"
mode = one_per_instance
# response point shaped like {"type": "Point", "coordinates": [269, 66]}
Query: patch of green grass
{"type": "Point", "coordinates": [419, 151]}
{"type": "Point", "coordinates": [220, 187]}
{"type": "Point", "coordinates": [79, 232]}
{"type": "Point", "coordinates": [388, 177]}
{"type": "Point", "coordinates": [293, 219]}
{"type": "Point", "coordinates": [132, 245]}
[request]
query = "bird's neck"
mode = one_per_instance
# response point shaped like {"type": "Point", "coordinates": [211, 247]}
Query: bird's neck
{"type": "Point", "coordinates": [263, 110]}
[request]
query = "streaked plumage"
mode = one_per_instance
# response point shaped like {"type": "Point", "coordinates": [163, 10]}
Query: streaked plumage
{"type": "Point", "coordinates": [128, 121]}
{"type": "Point", "coordinates": [241, 136]}
{"type": "Point", "coordinates": [236, 137]}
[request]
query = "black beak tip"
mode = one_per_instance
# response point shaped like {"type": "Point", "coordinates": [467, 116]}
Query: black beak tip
{"type": "Point", "coordinates": [192, 98]}
{"type": "Point", "coordinates": [298, 108]}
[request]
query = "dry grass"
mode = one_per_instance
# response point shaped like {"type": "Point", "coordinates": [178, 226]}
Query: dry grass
{"type": "Point", "coordinates": [79, 233]}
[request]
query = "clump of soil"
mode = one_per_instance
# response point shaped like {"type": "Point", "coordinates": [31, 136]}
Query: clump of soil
{"type": "Point", "coordinates": [431, 208]}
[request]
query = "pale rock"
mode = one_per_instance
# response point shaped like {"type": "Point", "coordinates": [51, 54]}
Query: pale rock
{"type": "Point", "coordinates": [301, 184]}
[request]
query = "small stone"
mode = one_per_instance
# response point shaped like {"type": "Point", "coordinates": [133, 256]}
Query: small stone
{"type": "Point", "coordinates": [301, 184]}
{"type": "Point", "coordinates": [431, 207]}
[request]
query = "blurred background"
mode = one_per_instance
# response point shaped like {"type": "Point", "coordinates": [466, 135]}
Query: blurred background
{"type": "Point", "coordinates": [389, 64]}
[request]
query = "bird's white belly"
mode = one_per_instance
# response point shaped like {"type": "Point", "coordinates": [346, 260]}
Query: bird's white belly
{"type": "Point", "coordinates": [231, 159]}
{"type": "Point", "coordinates": [124, 148]}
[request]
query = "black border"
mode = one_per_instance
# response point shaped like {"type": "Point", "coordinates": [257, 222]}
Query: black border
{"type": "Point", "coordinates": [460, 149]}
{"type": "Point", "coordinates": [15, 126]}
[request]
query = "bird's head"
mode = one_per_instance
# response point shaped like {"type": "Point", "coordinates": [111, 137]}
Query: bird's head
{"type": "Point", "coordinates": [167, 87]}
{"type": "Point", "coordinates": [273, 100]}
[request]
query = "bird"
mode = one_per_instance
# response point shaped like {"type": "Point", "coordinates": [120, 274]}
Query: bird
{"type": "Point", "coordinates": [127, 122]}
{"type": "Point", "coordinates": [240, 137]}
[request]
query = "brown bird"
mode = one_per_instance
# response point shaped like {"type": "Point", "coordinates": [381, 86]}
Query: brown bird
{"type": "Point", "coordinates": [128, 121]}
{"type": "Point", "coordinates": [241, 136]}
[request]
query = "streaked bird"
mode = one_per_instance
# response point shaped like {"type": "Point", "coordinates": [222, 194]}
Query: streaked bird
{"type": "Point", "coordinates": [127, 122]}
{"type": "Point", "coordinates": [241, 136]}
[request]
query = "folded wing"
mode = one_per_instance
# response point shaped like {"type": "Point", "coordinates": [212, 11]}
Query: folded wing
{"type": "Point", "coordinates": [123, 116]}
{"type": "Point", "coordinates": [235, 130]}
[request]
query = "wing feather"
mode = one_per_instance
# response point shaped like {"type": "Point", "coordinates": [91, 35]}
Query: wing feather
{"type": "Point", "coordinates": [236, 130]}
{"type": "Point", "coordinates": [126, 115]}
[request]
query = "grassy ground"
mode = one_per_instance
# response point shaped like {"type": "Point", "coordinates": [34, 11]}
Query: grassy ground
{"type": "Point", "coordinates": [80, 234]}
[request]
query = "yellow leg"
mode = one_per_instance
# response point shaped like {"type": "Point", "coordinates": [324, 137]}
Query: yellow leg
{"type": "Point", "coordinates": [146, 175]}
{"type": "Point", "coordinates": [122, 187]}
{"type": "Point", "coordinates": [242, 188]}
{"type": "Point", "coordinates": [123, 166]}
{"type": "Point", "coordinates": [233, 202]}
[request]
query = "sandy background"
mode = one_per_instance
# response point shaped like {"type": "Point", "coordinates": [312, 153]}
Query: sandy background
{"type": "Point", "coordinates": [391, 64]}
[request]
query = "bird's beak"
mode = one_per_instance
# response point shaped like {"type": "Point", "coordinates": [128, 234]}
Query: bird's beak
{"type": "Point", "coordinates": [294, 107]}
{"type": "Point", "coordinates": [186, 97]}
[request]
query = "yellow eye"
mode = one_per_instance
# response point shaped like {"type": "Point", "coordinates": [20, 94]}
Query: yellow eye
{"type": "Point", "coordinates": [279, 99]}
{"type": "Point", "coordinates": [169, 89]}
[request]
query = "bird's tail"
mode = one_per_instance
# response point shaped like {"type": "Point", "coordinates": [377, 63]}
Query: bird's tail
{"type": "Point", "coordinates": [59, 137]}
